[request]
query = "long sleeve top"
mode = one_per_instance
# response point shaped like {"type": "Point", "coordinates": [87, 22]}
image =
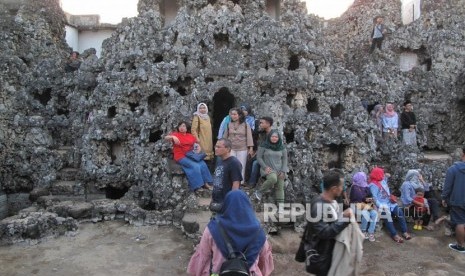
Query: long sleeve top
{"type": "Point", "coordinates": [407, 119]}
{"type": "Point", "coordinates": [407, 193]}
{"type": "Point", "coordinates": [207, 253]}
{"type": "Point", "coordinates": [239, 135]}
{"type": "Point", "coordinates": [276, 160]}
{"type": "Point", "coordinates": [390, 122]}
{"type": "Point", "coordinates": [382, 196]}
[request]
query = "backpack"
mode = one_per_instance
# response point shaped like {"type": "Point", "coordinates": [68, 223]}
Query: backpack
{"type": "Point", "coordinates": [236, 263]}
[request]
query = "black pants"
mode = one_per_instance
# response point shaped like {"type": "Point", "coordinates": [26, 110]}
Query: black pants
{"type": "Point", "coordinates": [376, 42]}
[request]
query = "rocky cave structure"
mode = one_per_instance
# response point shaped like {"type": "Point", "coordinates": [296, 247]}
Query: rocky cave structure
{"type": "Point", "coordinates": [89, 144]}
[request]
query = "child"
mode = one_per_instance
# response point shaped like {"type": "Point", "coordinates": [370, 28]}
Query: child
{"type": "Point", "coordinates": [421, 206]}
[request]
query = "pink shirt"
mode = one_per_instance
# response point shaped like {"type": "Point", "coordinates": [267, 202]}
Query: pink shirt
{"type": "Point", "coordinates": [199, 264]}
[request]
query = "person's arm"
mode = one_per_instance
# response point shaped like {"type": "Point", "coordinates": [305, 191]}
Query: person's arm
{"type": "Point", "coordinates": [226, 131]}
{"type": "Point", "coordinates": [284, 168]}
{"type": "Point", "coordinates": [222, 127]}
{"type": "Point", "coordinates": [325, 230]}
{"type": "Point", "coordinates": [404, 121]}
{"type": "Point", "coordinates": [418, 203]}
{"type": "Point", "coordinates": [405, 194]}
{"type": "Point", "coordinates": [260, 155]}
{"type": "Point", "coordinates": [202, 256]}
{"type": "Point", "coordinates": [249, 138]}
{"type": "Point", "coordinates": [448, 185]}
{"type": "Point", "coordinates": [265, 260]}
{"type": "Point", "coordinates": [172, 138]}
{"type": "Point", "coordinates": [374, 192]}
{"type": "Point", "coordinates": [194, 127]}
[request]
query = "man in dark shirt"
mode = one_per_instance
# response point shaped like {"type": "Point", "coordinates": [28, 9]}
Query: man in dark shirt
{"type": "Point", "coordinates": [264, 128]}
{"type": "Point", "coordinates": [227, 176]}
{"type": "Point", "coordinates": [408, 124]}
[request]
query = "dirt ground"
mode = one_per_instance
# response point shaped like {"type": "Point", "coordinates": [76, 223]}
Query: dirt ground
{"type": "Point", "coordinates": [115, 248]}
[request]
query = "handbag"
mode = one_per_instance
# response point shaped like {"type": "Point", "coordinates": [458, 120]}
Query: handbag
{"type": "Point", "coordinates": [197, 157]}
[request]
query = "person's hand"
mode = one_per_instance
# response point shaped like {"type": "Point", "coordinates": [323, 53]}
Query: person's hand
{"type": "Point", "coordinates": [251, 152]}
{"type": "Point", "coordinates": [281, 175]}
{"type": "Point", "coordinates": [387, 175]}
{"type": "Point", "coordinates": [348, 213]}
{"type": "Point", "coordinates": [346, 201]}
{"type": "Point", "coordinates": [369, 199]}
{"type": "Point", "coordinates": [175, 140]}
{"type": "Point", "coordinates": [268, 170]}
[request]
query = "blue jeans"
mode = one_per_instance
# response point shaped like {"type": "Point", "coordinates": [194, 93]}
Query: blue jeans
{"type": "Point", "coordinates": [197, 173]}
{"type": "Point", "coordinates": [369, 216]}
{"type": "Point", "coordinates": [254, 174]}
{"type": "Point", "coordinates": [400, 218]}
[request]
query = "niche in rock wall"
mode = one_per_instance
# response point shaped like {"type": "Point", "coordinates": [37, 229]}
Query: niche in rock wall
{"type": "Point", "coordinates": [111, 112]}
{"type": "Point", "coordinates": [169, 9]}
{"type": "Point", "coordinates": [411, 11]}
{"type": "Point", "coordinates": [221, 40]}
{"type": "Point", "coordinates": [133, 106]}
{"type": "Point", "coordinates": [289, 135]}
{"type": "Point", "coordinates": [62, 111]}
{"type": "Point", "coordinates": [116, 152]}
{"type": "Point", "coordinates": [223, 101]}
{"type": "Point", "coordinates": [182, 86]}
{"type": "Point", "coordinates": [407, 61]}
{"type": "Point", "coordinates": [335, 156]}
{"type": "Point", "coordinates": [44, 97]}
{"type": "Point", "coordinates": [312, 105]}
{"type": "Point", "coordinates": [237, 2]}
{"type": "Point", "coordinates": [115, 193]}
{"type": "Point", "coordinates": [154, 103]}
{"type": "Point", "coordinates": [158, 59]}
{"type": "Point", "coordinates": [336, 110]}
{"type": "Point", "coordinates": [273, 8]}
{"type": "Point", "coordinates": [155, 135]}
{"type": "Point", "coordinates": [461, 105]}
{"type": "Point", "coordinates": [145, 200]}
{"type": "Point", "coordinates": [212, 2]}
{"type": "Point", "coordinates": [293, 63]}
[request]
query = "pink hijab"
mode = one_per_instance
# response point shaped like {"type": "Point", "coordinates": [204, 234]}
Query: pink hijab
{"type": "Point", "coordinates": [389, 111]}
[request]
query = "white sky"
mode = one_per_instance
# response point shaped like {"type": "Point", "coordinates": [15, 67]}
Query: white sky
{"type": "Point", "coordinates": [111, 11]}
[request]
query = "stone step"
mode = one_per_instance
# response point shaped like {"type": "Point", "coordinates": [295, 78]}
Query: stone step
{"type": "Point", "coordinates": [68, 174]}
{"type": "Point", "coordinates": [68, 156]}
{"type": "Point", "coordinates": [195, 221]}
{"type": "Point", "coordinates": [49, 200]}
{"type": "Point", "coordinates": [66, 187]}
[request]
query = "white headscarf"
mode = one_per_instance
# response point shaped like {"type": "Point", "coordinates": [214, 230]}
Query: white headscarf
{"type": "Point", "coordinates": [201, 115]}
{"type": "Point", "coordinates": [413, 176]}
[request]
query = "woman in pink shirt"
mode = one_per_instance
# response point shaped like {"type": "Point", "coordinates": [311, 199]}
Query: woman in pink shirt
{"type": "Point", "coordinates": [241, 225]}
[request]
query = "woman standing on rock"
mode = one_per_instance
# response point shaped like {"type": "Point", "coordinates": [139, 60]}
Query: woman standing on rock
{"type": "Point", "coordinates": [390, 120]}
{"type": "Point", "coordinates": [272, 157]}
{"type": "Point", "coordinates": [202, 130]}
{"type": "Point", "coordinates": [197, 172]}
{"type": "Point", "coordinates": [240, 135]}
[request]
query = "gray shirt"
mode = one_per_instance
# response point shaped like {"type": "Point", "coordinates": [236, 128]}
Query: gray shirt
{"type": "Point", "coordinates": [276, 160]}
{"type": "Point", "coordinates": [378, 31]}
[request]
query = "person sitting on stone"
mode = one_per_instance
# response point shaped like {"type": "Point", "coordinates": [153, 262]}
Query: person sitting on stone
{"type": "Point", "coordinates": [421, 208]}
{"type": "Point", "coordinates": [202, 130]}
{"type": "Point", "coordinates": [197, 172]}
{"type": "Point", "coordinates": [362, 201]}
{"type": "Point", "coordinates": [73, 63]}
{"type": "Point", "coordinates": [249, 118]}
{"type": "Point", "coordinates": [240, 224]}
{"type": "Point", "coordinates": [390, 122]}
{"type": "Point", "coordinates": [272, 157]}
{"type": "Point", "coordinates": [386, 203]}
{"type": "Point", "coordinates": [414, 180]}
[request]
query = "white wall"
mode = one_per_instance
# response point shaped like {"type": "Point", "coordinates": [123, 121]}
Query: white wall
{"type": "Point", "coordinates": [72, 37]}
{"type": "Point", "coordinates": [91, 39]}
{"type": "Point", "coordinates": [410, 11]}
{"type": "Point", "coordinates": [407, 61]}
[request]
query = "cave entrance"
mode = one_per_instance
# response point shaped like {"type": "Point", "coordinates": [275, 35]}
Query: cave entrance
{"type": "Point", "coordinates": [169, 10]}
{"type": "Point", "coordinates": [223, 101]}
{"type": "Point", "coordinates": [335, 156]}
{"type": "Point", "coordinates": [115, 193]}
{"type": "Point", "coordinates": [272, 8]}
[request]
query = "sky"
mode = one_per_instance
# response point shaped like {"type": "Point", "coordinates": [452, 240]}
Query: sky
{"type": "Point", "coordinates": [111, 11]}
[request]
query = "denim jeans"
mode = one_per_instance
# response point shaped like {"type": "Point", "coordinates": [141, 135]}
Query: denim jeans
{"type": "Point", "coordinates": [396, 212]}
{"type": "Point", "coordinates": [254, 174]}
{"type": "Point", "coordinates": [369, 217]}
{"type": "Point", "coordinates": [197, 173]}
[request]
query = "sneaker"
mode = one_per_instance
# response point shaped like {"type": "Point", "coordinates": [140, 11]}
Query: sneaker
{"type": "Point", "coordinates": [419, 227]}
{"type": "Point", "coordinates": [371, 237]}
{"type": "Point", "coordinates": [258, 195]}
{"type": "Point", "coordinates": [415, 227]}
{"type": "Point", "coordinates": [366, 235]}
{"type": "Point", "coordinates": [457, 247]}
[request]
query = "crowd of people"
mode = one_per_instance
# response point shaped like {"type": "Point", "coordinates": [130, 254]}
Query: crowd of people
{"type": "Point", "coordinates": [243, 154]}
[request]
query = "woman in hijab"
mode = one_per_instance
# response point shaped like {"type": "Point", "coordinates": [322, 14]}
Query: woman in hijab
{"type": "Point", "coordinates": [272, 157]}
{"type": "Point", "coordinates": [390, 121]}
{"type": "Point", "coordinates": [387, 205]}
{"type": "Point", "coordinates": [202, 130]}
{"type": "Point", "coordinates": [361, 198]}
{"type": "Point", "coordinates": [376, 114]}
{"type": "Point", "coordinates": [413, 181]}
{"type": "Point", "coordinates": [249, 118]}
{"type": "Point", "coordinates": [238, 220]}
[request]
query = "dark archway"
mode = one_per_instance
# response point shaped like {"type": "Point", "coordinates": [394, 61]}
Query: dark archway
{"type": "Point", "coordinates": [223, 100]}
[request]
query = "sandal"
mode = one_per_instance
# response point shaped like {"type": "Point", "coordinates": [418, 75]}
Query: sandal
{"type": "Point", "coordinates": [398, 239]}
{"type": "Point", "coordinates": [207, 187]}
{"type": "Point", "coordinates": [406, 236]}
